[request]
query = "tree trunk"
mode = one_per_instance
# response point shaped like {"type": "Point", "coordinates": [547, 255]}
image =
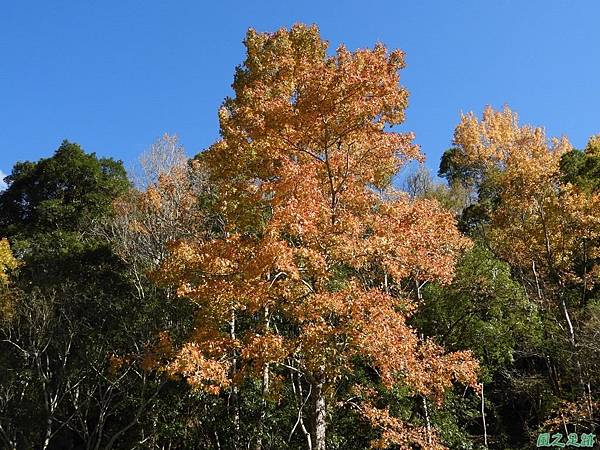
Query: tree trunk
{"type": "Point", "coordinates": [427, 421]}
{"type": "Point", "coordinates": [48, 433]}
{"type": "Point", "coordinates": [485, 440]}
{"type": "Point", "coordinates": [261, 422]}
{"type": "Point", "coordinates": [584, 387]}
{"type": "Point", "coordinates": [233, 396]}
{"type": "Point", "coordinates": [319, 416]}
{"type": "Point", "coordinates": [265, 390]}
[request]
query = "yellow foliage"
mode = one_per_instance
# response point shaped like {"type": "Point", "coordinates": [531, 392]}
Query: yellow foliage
{"type": "Point", "coordinates": [540, 222]}
{"type": "Point", "coordinates": [7, 261]}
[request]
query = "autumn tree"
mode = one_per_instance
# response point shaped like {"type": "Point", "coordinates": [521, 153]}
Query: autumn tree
{"type": "Point", "coordinates": [169, 199]}
{"type": "Point", "coordinates": [311, 278]}
{"type": "Point", "coordinates": [538, 210]}
{"type": "Point", "coordinates": [7, 261]}
{"type": "Point", "coordinates": [167, 204]}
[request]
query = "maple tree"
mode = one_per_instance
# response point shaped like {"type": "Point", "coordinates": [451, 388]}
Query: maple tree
{"type": "Point", "coordinates": [312, 273]}
{"type": "Point", "coordinates": [538, 221]}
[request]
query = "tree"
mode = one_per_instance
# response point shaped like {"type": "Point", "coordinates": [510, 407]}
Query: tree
{"type": "Point", "coordinates": [582, 168]}
{"type": "Point", "coordinates": [308, 279]}
{"type": "Point", "coordinates": [544, 226]}
{"type": "Point", "coordinates": [171, 205]}
{"type": "Point", "coordinates": [170, 200]}
{"type": "Point", "coordinates": [419, 183]}
{"type": "Point", "coordinates": [63, 192]}
{"type": "Point", "coordinates": [7, 261]}
{"type": "Point", "coordinates": [486, 310]}
{"type": "Point", "coordinates": [70, 372]}
{"type": "Point", "coordinates": [453, 196]}
{"type": "Point", "coordinates": [164, 157]}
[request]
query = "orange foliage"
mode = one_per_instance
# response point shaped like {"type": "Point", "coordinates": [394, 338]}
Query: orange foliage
{"type": "Point", "coordinates": [397, 433]}
{"type": "Point", "coordinates": [311, 242]}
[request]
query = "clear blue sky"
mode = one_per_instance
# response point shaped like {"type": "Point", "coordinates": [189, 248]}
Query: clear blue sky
{"type": "Point", "coordinates": [114, 75]}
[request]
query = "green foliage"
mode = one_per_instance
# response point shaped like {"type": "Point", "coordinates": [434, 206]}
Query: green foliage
{"type": "Point", "coordinates": [454, 172]}
{"type": "Point", "coordinates": [582, 168]}
{"type": "Point", "coordinates": [70, 299]}
{"type": "Point", "coordinates": [457, 420]}
{"type": "Point", "coordinates": [484, 310]}
{"type": "Point", "coordinates": [64, 192]}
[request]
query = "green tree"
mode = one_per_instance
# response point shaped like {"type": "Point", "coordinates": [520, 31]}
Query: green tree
{"type": "Point", "coordinates": [64, 372]}
{"type": "Point", "coordinates": [64, 192]}
{"type": "Point", "coordinates": [582, 168]}
{"type": "Point", "coordinates": [487, 311]}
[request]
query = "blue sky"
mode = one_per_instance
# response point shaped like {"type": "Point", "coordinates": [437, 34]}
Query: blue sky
{"type": "Point", "coordinates": [115, 75]}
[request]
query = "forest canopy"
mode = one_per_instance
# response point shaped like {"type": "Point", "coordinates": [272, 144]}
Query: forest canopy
{"type": "Point", "coordinates": [282, 290]}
